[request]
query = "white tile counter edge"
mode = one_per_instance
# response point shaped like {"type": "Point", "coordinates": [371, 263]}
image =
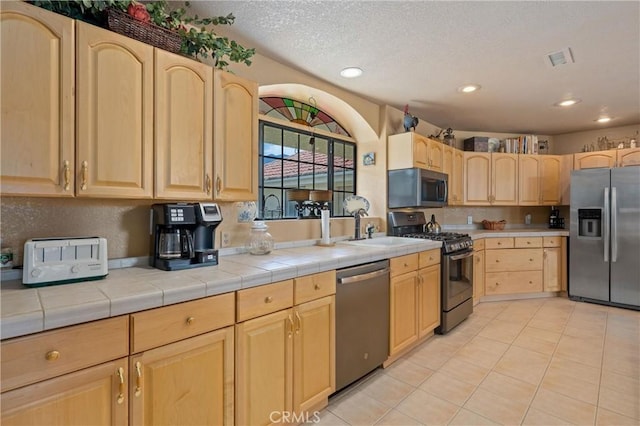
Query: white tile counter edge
{"type": "Point", "coordinates": [132, 286]}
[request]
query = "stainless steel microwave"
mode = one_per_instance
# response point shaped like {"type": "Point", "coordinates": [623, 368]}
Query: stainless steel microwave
{"type": "Point", "coordinates": [416, 188]}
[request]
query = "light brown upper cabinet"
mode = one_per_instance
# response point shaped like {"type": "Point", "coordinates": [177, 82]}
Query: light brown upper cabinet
{"type": "Point", "coordinates": [37, 62]}
{"type": "Point", "coordinates": [539, 179]}
{"type": "Point", "coordinates": [114, 156]}
{"type": "Point", "coordinates": [235, 136]}
{"type": "Point", "coordinates": [456, 179]}
{"type": "Point", "coordinates": [183, 128]}
{"type": "Point", "coordinates": [628, 157]}
{"type": "Point", "coordinates": [409, 149]}
{"type": "Point", "coordinates": [592, 160]}
{"type": "Point", "coordinates": [490, 179]}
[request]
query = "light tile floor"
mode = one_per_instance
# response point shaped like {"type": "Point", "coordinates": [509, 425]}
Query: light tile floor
{"type": "Point", "coordinates": [534, 362]}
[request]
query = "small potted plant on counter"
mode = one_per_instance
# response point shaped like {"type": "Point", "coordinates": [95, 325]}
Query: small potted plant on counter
{"type": "Point", "coordinates": [156, 24]}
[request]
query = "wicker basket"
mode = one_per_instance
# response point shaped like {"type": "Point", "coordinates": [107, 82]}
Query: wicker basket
{"type": "Point", "coordinates": [125, 24]}
{"type": "Point", "coordinates": [494, 226]}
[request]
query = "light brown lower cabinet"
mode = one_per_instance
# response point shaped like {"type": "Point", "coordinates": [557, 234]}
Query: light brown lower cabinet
{"type": "Point", "coordinates": [478, 275]}
{"type": "Point", "coordinates": [189, 382]}
{"type": "Point", "coordinates": [414, 299]}
{"type": "Point", "coordinates": [285, 363]}
{"type": "Point", "coordinates": [93, 396]}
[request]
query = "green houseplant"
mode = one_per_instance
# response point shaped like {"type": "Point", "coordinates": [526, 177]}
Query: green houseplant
{"type": "Point", "coordinates": [198, 40]}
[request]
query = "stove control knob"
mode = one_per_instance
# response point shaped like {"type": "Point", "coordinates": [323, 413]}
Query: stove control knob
{"type": "Point", "coordinates": [75, 269]}
{"type": "Point", "coordinates": [36, 272]}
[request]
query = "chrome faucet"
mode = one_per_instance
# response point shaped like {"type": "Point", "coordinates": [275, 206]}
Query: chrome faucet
{"type": "Point", "coordinates": [357, 215]}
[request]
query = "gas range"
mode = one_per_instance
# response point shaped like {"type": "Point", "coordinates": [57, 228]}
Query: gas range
{"type": "Point", "coordinates": [451, 241]}
{"type": "Point", "coordinates": [412, 225]}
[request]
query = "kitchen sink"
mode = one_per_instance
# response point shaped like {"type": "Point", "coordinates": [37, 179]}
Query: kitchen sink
{"type": "Point", "coordinates": [382, 242]}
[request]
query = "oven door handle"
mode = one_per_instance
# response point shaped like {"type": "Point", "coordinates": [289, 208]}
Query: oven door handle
{"type": "Point", "coordinates": [461, 256]}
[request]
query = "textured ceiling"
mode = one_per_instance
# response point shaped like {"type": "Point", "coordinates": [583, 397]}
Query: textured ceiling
{"type": "Point", "coordinates": [420, 52]}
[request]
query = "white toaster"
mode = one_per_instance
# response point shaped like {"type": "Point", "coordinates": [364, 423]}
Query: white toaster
{"type": "Point", "coordinates": [49, 261]}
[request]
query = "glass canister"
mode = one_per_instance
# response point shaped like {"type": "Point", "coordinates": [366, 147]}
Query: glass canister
{"type": "Point", "coordinates": [260, 241]}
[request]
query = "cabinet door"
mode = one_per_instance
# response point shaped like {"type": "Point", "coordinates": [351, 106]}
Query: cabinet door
{"type": "Point", "coordinates": [504, 179]}
{"type": "Point", "coordinates": [528, 180]}
{"type": "Point", "coordinates": [456, 179]}
{"type": "Point", "coordinates": [565, 179]}
{"type": "Point", "coordinates": [628, 157]}
{"type": "Point", "coordinates": [420, 151]}
{"type": "Point", "coordinates": [478, 276]}
{"type": "Point", "coordinates": [115, 115]}
{"type": "Point", "coordinates": [264, 368]}
{"type": "Point", "coordinates": [235, 137]}
{"type": "Point", "coordinates": [93, 396]}
{"type": "Point", "coordinates": [403, 326]}
{"type": "Point", "coordinates": [428, 299]}
{"type": "Point", "coordinates": [183, 128]}
{"type": "Point", "coordinates": [552, 269]}
{"type": "Point", "coordinates": [550, 176]}
{"type": "Point", "coordinates": [38, 68]}
{"type": "Point", "coordinates": [447, 163]}
{"type": "Point", "coordinates": [477, 178]}
{"type": "Point", "coordinates": [434, 154]}
{"type": "Point", "coordinates": [313, 354]}
{"type": "Point", "coordinates": [187, 382]}
{"type": "Point", "coordinates": [594, 160]}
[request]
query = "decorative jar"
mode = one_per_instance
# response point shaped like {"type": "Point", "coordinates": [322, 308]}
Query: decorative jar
{"type": "Point", "coordinates": [260, 241]}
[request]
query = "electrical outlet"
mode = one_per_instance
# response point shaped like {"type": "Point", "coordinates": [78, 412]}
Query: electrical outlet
{"type": "Point", "coordinates": [469, 220]}
{"type": "Point", "coordinates": [226, 239]}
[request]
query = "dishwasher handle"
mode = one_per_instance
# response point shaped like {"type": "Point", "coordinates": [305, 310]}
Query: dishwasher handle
{"type": "Point", "coordinates": [363, 277]}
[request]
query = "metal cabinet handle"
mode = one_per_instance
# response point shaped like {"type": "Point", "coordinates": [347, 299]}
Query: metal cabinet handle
{"type": "Point", "coordinates": [67, 175]}
{"type": "Point", "coordinates": [85, 175]}
{"type": "Point", "coordinates": [138, 389]}
{"type": "Point", "coordinates": [290, 332]}
{"type": "Point", "coordinates": [52, 355]}
{"type": "Point", "coordinates": [120, 374]}
{"type": "Point", "coordinates": [207, 185]}
{"type": "Point", "coordinates": [190, 320]}
{"type": "Point", "coordinates": [316, 287]}
{"type": "Point", "coordinates": [299, 320]}
{"type": "Point", "coordinates": [218, 184]}
{"type": "Point", "coordinates": [268, 299]}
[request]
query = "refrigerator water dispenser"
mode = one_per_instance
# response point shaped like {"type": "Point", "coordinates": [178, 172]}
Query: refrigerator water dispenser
{"type": "Point", "coordinates": [590, 223]}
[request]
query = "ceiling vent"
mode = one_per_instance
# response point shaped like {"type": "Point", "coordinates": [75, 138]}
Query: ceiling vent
{"type": "Point", "coordinates": [562, 57]}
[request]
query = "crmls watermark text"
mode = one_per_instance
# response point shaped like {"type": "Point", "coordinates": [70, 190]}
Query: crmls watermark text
{"type": "Point", "coordinates": [295, 418]}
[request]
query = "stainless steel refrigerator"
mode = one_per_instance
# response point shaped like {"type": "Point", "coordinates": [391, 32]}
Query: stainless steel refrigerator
{"type": "Point", "coordinates": [604, 243]}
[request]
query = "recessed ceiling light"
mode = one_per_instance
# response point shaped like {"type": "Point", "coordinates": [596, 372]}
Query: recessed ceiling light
{"type": "Point", "coordinates": [603, 119]}
{"type": "Point", "coordinates": [567, 102]}
{"type": "Point", "coordinates": [351, 72]}
{"type": "Point", "coordinates": [468, 88]}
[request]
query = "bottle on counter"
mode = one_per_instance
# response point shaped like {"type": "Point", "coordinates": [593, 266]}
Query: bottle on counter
{"type": "Point", "coordinates": [260, 241]}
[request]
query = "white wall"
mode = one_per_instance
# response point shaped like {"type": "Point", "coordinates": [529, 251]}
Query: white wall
{"type": "Point", "coordinates": [574, 142]}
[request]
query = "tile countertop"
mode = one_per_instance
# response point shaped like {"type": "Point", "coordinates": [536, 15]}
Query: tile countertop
{"type": "Point", "coordinates": [30, 310]}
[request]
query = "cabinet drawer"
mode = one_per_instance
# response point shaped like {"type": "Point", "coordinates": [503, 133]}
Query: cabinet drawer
{"type": "Point", "coordinates": [498, 243]}
{"type": "Point", "coordinates": [429, 258]}
{"type": "Point", "coordinates": [157, 327]}
{"type": "Point", "coordinates": [403, 264]}
{"type": "Point", "coordinates": [528, 242]}
{"type": "Point", "coordinates": [258, 301]}
{"type": "Point", "coordinates": [513, 282]}
{"type": "Point", "coordinates": [314, 286]}
{"type": "Point", "coordinates": [478, 244]}
{"type": "Point", "coordinates": [551, 241]}
{"type": "Point", "coordinates": [30, 359]}
{"type": "Point", "coordinates": [513, 260]}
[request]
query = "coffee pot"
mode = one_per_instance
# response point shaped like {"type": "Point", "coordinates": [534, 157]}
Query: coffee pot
{"type": "Point", "coordinates": [175, 243]}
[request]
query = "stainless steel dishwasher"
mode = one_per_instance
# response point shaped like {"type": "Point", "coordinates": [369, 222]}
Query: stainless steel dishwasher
{"type": "Point", "coordinates": [362, 320]}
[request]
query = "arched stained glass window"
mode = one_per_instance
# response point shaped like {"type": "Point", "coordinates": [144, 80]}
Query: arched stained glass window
{"type": "Point", "coordinates": [300, 113]}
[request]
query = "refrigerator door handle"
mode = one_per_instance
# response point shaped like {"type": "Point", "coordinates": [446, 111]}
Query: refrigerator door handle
{"type": "Point", "coordinates": [607, 224]}
{"type": "Point", "coordinates": [614, 225]}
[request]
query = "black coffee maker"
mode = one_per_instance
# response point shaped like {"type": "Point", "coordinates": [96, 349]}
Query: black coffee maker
{"type": "Point", "coordinates": [183, 235]}
{"type": "Point", "coordinates": [555, 221]}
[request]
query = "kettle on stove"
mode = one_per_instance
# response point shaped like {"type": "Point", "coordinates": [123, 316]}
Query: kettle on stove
{"type": "Point", "coordinates": [433, 226]}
